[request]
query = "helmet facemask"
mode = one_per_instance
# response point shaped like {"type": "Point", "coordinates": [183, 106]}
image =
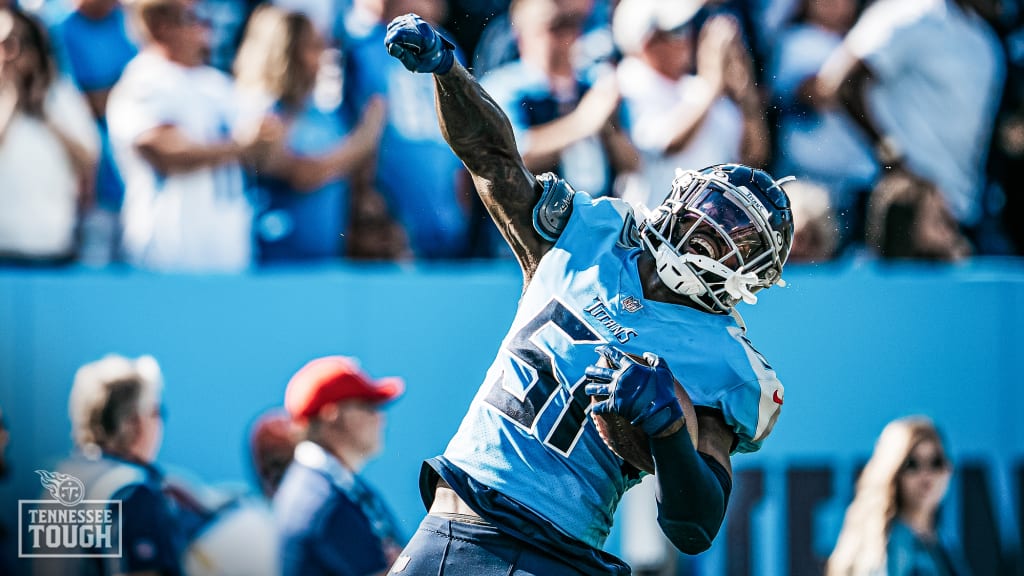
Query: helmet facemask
{"type": "Point", "coordinates": [712, 241]}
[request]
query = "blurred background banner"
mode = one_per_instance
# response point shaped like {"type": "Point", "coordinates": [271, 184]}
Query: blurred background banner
{"type": "Point", "coordinates": [856, 344]}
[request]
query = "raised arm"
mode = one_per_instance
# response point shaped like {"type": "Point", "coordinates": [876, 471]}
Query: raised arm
{"type": "Point", "coordinates": [480, 135]}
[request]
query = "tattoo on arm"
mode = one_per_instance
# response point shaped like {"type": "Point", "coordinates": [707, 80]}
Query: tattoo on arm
{"type": "Point", "coordinates": [480, 135]}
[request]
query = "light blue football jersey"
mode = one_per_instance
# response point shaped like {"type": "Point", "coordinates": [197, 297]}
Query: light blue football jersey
{"type": "Point", "coordinates": [528, 434]}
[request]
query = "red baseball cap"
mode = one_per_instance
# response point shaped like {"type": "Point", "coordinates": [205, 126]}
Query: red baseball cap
{"type": "Point", "coordinates": [332, 379]}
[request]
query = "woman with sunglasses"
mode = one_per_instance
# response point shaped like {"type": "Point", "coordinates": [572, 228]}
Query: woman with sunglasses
{"type": "Point", "coordinates": [891, 526]}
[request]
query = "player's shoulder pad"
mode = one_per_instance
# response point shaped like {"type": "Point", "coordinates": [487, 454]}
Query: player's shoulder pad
{"type": "Point", "coordinates": [552, 212]}
{"type": "Point", "coordinates": [629, 236]}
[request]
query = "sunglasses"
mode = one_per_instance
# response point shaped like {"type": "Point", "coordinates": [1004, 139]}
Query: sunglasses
{"type": "Point", "coordinates": [934, 464]}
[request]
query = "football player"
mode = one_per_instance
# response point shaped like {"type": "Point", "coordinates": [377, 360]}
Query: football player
{"type": "Point", "coordinates": [527, 486]}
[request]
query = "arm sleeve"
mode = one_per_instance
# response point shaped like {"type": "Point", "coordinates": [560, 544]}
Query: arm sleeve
{"type": "Point", "coordinates": [693, 491]}
{"type": "Point", "coordinates": [148, 533]}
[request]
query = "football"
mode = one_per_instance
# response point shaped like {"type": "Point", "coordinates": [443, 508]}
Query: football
{"type": "Point", "coordinates": [630, 442]}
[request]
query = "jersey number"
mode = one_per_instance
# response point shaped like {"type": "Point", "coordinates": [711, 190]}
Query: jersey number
{"type": "Point", "coordinates": [544, 378]}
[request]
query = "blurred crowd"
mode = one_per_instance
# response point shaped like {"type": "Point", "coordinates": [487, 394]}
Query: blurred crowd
{"type": "Point", "coordinates": [313, 514]}
{"type": "Point", "coordinates": [218, 135]}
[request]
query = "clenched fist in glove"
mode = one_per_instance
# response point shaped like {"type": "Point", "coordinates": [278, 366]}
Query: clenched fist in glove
{"type": "Point", "coordinates": [418, 46]}
{"type": "Point", "coordinates": [644, 394]}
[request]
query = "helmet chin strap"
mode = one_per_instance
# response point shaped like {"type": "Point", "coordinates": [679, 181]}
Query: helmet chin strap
{"type": "Point", "coordinates": [676, 273]}
{"type": "Point", "coordinates": [738, 286]}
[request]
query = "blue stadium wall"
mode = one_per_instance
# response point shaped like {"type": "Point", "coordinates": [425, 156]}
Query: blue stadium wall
{"type": "Point", "coordinates": [855, 344]}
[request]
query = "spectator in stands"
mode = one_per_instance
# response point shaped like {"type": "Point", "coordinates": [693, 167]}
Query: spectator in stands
{"type": "Point", "coordinates": [416, 172]}
{"type": "Point", "coordinates": [96, 46]}
{"type": "Point", "coordinates": [817, 141]}
{"type": "Point", "coordinates": [117, 426]}
{"type": "Point", "coordinates": [173, 126]}
{"type": "Point", "coordinates": [330, 520]}
{"type": "Point", "coordinates": [272, 448]}
{"type": "Point", "coordinates": [48, 148]}
{"type": "Point", "coordinates": [891, 525]}
{"type": "Point", "coordinates": [931, 115]}
{"type": "Point", "coordinates": [677, 118]}
{"type": "Point", "coordinates": [307, 194]}
{"type": "Point", "coordinates": [744, 71]}
{"type": "Point", "coordinates": [591, 50]}
{"type": "Point", "coordinates": [562, 122]}
{"type": "Point", "coordinates": [750, 29]}
{"type": "Point", "coordinates": [909, 219]}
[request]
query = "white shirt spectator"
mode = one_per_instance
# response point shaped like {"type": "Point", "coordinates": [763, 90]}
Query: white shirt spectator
{"type": "Point", "coordinates": [648, 97]}
{"type": "Point", "coordinates": [823, 146]}
{"type": "Point", "coordinates": [38, 183]}
{"type": "Point", "coordinates": [938, 74]}
{"type": "Point", "coordinates": [192, 221]}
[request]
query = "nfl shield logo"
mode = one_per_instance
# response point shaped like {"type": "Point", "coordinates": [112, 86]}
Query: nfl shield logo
{"type": "Point", "coordinates": [631, 304]}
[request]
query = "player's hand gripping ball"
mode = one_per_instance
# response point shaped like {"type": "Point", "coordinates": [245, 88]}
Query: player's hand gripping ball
{"type": "Point", "coordinates": [418, 46]}
{"type": "Point", "coordinates": [636, 398]}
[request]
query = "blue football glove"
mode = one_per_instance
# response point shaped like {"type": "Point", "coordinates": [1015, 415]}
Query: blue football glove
{"type": "Point", "coordinates": [644, 394]}
{"type": "Point", "coordinates": [418, 46]}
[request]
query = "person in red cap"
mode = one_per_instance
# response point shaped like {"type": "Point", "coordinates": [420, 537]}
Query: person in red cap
{"type": "Point", "coordinates": [329, 520]}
